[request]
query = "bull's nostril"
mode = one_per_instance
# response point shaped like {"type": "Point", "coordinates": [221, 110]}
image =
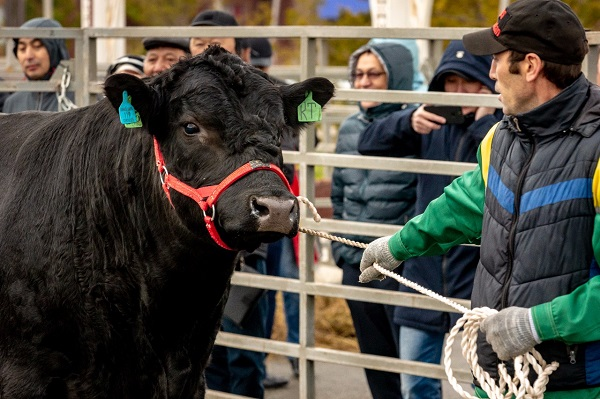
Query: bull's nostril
{"type": "Point", "coordinates": [258, 208]}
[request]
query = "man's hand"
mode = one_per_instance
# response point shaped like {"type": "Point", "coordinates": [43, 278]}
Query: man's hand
{"type": "Point", "coordinates": [377, 252]}
{"type": "Point", "coordinates": [423, 122]}
{"type": "Point", "coordinates": [510, 332]}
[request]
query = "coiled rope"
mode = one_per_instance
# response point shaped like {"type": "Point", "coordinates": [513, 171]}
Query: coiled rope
{"type": "Point", "coordinates": [507, 386]}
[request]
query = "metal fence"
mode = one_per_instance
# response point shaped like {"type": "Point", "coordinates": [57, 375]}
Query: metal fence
{"type": "Point", "coordinates": [86, 83]}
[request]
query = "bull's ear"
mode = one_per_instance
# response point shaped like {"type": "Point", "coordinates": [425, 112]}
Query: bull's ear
{"type": "Point", "coordinates": [137, 90]}
{"type": "Point", "coordinates": [295, 94]}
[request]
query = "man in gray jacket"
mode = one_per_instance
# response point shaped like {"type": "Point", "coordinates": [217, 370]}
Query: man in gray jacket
{"type": "Point", "coordinates": [38, 59]}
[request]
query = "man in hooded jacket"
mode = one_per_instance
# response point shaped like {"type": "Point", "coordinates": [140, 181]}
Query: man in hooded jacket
{"type": "Point", "coordinates": [422, 331]}
{"type": "Point", "coordinates": [373, 196]}
{"type": "Point", "coordinates": [39, 58]}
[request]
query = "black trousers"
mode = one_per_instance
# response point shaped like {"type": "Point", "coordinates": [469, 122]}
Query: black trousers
{"type": "Point", "coordinates": [376, 333]}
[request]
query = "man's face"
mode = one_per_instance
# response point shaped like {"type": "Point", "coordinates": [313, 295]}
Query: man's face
{"type": "Point", "coordinates": [33, 57]}
{"type": "Point", "coordinates": [199, 44]}
{"type": "Point", "coordinates": [160, 59]}
{"type": "Point", "coordinates": [457, 84]}
{"type": "Point", "coordinates": [369, 74]}
{"type": "Point", "coordinates": [514, 92]}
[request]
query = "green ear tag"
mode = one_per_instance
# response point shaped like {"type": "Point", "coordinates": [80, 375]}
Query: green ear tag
{"type": "Point", "coordinates": [309, 110]}
{"type": "Point", "coordinates": [127, 114]}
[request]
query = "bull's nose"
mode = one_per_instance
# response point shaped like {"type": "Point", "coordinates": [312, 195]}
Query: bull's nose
{"type": "Point", "coordinates": [277, 215]}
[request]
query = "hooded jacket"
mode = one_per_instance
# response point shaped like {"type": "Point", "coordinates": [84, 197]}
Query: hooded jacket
{"type": "Point", "coordinates": [452, 273]}
{"type": "Point", "coordinates": [57, 50]}
{"type": "Point", "coordinates": [372, 195]}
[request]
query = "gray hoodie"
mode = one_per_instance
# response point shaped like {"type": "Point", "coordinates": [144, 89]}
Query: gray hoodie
{"type": "Point", "coordinates": [40, 101]}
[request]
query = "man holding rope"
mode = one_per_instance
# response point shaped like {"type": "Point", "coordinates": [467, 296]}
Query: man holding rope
{"type": "Point", "coordinates": [533, 202]}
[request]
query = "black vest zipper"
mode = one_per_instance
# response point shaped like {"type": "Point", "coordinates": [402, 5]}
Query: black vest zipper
{"type": "Point", "coordinates": [513, 229]}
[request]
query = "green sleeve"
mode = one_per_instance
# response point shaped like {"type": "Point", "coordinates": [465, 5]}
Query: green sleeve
{"type": "Point", "coordinates": [573, 318]}
{"type": "Point", "coordinates": [452, 219]}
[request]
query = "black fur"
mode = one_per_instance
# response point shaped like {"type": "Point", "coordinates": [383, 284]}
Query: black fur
{"type": "Point", "coordinates": [106, 290]}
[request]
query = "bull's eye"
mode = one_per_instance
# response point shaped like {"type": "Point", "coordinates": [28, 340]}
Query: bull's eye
{"type": "Point", "coordinates": [190, 128]}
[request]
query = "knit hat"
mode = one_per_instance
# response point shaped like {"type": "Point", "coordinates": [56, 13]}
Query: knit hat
{"type": "Point", "coordinates": [548, 28]}
{"type": "Point", "coordinates": [173, 42]}
{"type": "Point", "coordinates": [133, 63]}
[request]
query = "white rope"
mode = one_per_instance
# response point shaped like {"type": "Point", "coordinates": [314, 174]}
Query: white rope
{"type": "Point", "coordinates": [507, 386]}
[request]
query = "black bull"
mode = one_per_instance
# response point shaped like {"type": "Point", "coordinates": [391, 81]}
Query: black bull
{"type": "Point", "coordinates": [108, 289]}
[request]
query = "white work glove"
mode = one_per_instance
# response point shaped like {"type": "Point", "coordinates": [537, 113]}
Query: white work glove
{"type": "Point", "coordinates": [510, 332]}
{"type": "Point", "coordinates": [377, 252]}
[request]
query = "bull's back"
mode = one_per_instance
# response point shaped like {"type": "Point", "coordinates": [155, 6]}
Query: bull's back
{"type": "Point", "coordinates": [15, 130]}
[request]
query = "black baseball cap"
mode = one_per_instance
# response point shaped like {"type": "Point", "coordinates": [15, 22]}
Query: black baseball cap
{"type": "Point", "coordinates": [214, 18]}
{"type": "Point", "coordinates": [260, 51]}
{"type": "Point", "coordinates": [220, 18]}
{"type": "Point", "coordinates": [173, 42]}
{"type": "Point", "coordinates": [548, 28]}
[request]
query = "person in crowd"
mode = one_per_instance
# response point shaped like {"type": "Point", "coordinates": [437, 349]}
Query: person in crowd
{"type": "Point", "coordinates": [422, 332]}
{"type": "Point", "coordinates": [131, 64]}
{"type": "Point", "coordinates": [233, 370]}
{"type": "Point", "coordinates": [373, 196]}
{"type": "Point", "coordinates": [234, 45]}
{"type": "Point", "coordinates": [419, 82]}
{"type": "Point", "coordinates": [261, 53]}
{"type": "Point", "coordinates": [531, 202]}
{"type": "Point", "coordinates": [38, 58]}
{"type": "Point", "coordinates": [162, 53]}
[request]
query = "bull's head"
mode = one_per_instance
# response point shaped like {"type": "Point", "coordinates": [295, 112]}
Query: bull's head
{"type": "Point", "coordinates": [209, 115]}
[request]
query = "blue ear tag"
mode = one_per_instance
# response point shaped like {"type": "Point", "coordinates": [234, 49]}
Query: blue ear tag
{"type": "Point", "coordinates": [309, 110]}
{"type": "Point", "coordinates": [127, 114]}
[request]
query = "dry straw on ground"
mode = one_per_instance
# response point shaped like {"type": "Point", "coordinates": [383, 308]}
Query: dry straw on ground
{"type": "Point", "coordinates": [333, 324]}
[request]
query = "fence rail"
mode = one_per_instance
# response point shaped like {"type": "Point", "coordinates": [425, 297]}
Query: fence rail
{"type": "Point", "coordinates": [86, 83]}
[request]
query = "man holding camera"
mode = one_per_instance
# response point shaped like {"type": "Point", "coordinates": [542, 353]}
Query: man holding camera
{"type": "Point", "coordinates": [455, 138]}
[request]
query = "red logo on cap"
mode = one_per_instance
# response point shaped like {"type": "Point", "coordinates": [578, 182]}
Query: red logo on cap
{"type": "Point", "coordinates": [496, 28]}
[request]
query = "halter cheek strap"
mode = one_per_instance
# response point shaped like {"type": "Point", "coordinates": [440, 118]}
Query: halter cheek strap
{"type": "Point", "coordinates": [206, 197]}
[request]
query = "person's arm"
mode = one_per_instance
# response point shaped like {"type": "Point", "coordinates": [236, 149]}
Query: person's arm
{"type": "Point", "coordinates": [391, 136]}
{"type": "Point", "coordinates": [571, 318]}
{"type": "Point", "coordinates": [452, 219]}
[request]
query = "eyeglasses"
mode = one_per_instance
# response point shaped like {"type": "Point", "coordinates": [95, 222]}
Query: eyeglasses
{"type": "Point", "coordinates": [370, 75]}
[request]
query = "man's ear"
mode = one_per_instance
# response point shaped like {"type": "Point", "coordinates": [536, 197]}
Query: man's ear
{"type": "Point", "coordinates": [533, 66]}
{"type": "Point", "coordinates": [140, 94]}
{"type": "Point", "coordinates": [295, 94]}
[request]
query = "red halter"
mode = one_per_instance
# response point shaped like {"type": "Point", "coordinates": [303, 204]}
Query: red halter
{"type": "Point", "coordinates": [206, 197]}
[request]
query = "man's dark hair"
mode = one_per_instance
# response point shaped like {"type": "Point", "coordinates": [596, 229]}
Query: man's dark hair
{"type": "Point", "coordinates": [561, 75]}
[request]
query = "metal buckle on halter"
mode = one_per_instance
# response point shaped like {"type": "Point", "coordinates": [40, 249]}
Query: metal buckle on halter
{"type": "Point", "coordinates": [163, 174]}
{"type": "Point", "coordinates": [214, 212]}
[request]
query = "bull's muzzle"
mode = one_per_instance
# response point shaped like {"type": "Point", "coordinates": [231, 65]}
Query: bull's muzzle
{"type": "Point", "coordinates": [277, 215]}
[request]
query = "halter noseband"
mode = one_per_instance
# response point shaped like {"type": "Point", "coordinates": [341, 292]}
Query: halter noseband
{"type": "Point", "coordinates": [206, 197]}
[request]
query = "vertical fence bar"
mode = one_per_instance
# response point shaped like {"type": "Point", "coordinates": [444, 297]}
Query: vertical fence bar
{"type": "Point", "coordinates": [308, 49]}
